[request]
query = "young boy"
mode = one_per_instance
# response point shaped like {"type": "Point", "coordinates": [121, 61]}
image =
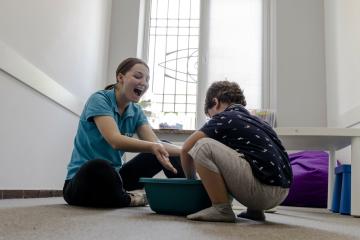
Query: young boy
{"type": "Point", "coordinates": [238, 154]}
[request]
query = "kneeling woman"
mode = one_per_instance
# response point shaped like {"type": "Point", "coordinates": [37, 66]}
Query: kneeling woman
{"type": "Point", "coordinates": [96, 174]}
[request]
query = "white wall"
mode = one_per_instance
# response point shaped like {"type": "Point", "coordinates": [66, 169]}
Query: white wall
{"type": "Point", "coordinates": [36, 138]}
{"type": "Point", "coordinates": [124, 34]}
{"type": "Point", "coordinates": [343, 66]}
{"type": "Point", "coordinates": [301, 83]}
{"type": "Point", "coordinates": [68, 41]}
{"type": "Point", "coordinates": [342, 20]}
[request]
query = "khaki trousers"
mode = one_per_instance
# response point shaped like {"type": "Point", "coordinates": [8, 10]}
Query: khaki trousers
{"type": "Point", "coordinates": [237, 174]}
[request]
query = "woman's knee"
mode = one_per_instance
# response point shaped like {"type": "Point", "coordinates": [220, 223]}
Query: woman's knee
{"type": "Point", "coordinates": [97, 164]}
{"type": "Point", "coordinates": [96, 169]}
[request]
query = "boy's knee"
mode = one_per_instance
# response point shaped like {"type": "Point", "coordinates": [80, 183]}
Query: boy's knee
{"type": "Point", "coordinates": [205, 143]}
{"type": "Point", "coordinates": [202, 153]}
{"type": "Point", "coordinates": [202, 148]}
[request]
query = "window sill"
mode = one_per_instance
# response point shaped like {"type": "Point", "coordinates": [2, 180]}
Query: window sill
{"type": "Point", "coordinates": [173, 131]}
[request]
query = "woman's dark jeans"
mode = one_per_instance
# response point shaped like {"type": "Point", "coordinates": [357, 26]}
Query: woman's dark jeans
{"type": "Point", "coordinates": [98, 184]}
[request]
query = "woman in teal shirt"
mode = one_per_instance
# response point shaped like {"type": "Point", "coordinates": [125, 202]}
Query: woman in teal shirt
{"type": "Point", "coordinates": [96, 174]}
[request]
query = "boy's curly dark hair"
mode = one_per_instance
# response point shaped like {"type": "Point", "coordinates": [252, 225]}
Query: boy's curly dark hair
{"type": "Point", "coordinates": [225, 92]}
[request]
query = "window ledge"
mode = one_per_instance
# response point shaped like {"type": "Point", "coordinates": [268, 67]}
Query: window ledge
{"type": "Point", "coordinates": [173, 131]}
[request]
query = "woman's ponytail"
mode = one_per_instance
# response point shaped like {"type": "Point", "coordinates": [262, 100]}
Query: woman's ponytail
{"type": "Point", "coordinates": [110, 86]}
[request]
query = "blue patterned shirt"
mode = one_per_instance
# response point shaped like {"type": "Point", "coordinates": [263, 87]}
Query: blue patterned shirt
{"type": "Point", "coordinates": [236, 128]}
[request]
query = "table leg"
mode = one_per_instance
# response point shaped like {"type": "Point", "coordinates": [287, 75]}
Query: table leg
{"type": "Point", "coordinates": [355, 176]}
{"type": "Point", "coordinates": [331, 177]}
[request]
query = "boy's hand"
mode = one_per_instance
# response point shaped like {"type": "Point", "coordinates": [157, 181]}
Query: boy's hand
{"type": "Point", "coordinates": [187, 162]}
{"type": "Point", "coordinates": [188, 165]}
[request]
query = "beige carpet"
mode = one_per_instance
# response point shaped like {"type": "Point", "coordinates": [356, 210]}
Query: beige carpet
{"type": "Point", "coordinates": [52, 219]}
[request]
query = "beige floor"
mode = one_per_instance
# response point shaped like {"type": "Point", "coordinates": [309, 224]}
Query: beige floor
{"type": "Point", "coordinates": [52, 219]}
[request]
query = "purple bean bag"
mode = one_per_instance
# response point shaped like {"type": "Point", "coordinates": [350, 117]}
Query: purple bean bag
{"type": "Point", "coordinates": [309, 187]}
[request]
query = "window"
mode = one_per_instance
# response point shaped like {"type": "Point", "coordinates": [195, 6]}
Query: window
{"type": "Point", "coordinates": [230, 47]}
{"type": "Point", "coordinates": [173, 40]}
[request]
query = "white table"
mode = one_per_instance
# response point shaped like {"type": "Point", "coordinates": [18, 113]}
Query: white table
{"type": "Point", "coordinates": [312, 138]}
{"type": "Point", "coordinates": [329, 139]}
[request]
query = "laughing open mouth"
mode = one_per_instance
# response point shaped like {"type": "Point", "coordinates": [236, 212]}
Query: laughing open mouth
{"type": "Point", "coordinates": [138, 91]}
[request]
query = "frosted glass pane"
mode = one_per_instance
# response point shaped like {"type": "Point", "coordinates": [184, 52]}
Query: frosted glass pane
{"type": "Point", "coordinates": [195, 23]}
{"type": "Point", "coordinates": [169, 107]}
{"type": "Point", "coordinates": [169, 85]}
{"type": "Point", "coordinates": [235, 45]}
{"type": "Point", "coordinates": [157, 98]}
{"type": "Point", "coordinates": [180, 87]}
{"type": "Point", "coordinates": [184, 31]}
{"type": "Point", "coordinates": [173, 9]}
{"type": "Point", "coordinates": [191, 108]}
{"type": "Point", "coordinates": [161, 23]}
{"type": "Point", "coordinates": [184, 23]}
{"type": "Point", "coordinates": [179, 107]}
{"type": "Point", "coordinates": [169, 99]}
{"type": "Point", "coordinates": [173, 23]}
{"type": "Point", "coordinates": [185, 7]}
{"type": "Point", "coordinates": [181, 99]}
{"type": "Point", "coordinates": [191, 99]}
{"type": "Point", "coordinates": [162, 8]}
{"type": "Point", "coordinates": [195, 9]}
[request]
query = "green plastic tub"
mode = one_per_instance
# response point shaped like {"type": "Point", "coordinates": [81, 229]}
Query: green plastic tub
{"type": "Point", "coordinates": [176, 196]}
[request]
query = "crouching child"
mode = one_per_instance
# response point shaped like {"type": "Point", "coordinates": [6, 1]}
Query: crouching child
{"type": "Point", "coordinates": [236, 154]}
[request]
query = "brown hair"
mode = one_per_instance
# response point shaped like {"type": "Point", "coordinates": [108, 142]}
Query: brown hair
{"type": "Point", "coordinates": [124, 67]}
{"type": "Point", "coordinates": [225, 92]}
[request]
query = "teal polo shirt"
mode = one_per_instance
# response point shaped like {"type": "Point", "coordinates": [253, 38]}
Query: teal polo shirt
{"type": "Point", "coordinates": [89, 144]}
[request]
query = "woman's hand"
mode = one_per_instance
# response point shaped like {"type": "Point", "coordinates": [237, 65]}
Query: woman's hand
{"type": "Point", "coordinates": [163, 156]}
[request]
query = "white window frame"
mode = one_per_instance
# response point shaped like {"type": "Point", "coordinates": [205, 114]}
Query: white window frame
{"type": "Point", "coordinates": [269, 63]}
